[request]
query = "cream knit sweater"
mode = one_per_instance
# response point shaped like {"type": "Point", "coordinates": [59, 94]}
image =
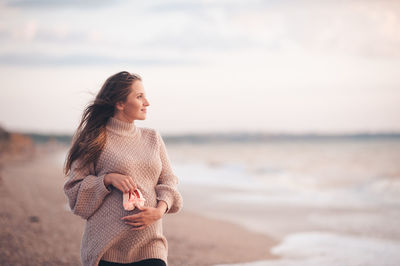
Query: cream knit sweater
{"type": "Point", "coordinates": [141, 154]}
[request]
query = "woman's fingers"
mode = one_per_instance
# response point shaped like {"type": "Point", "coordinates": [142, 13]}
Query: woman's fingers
{"type": "Point", "coordinates": [132, 184]}
{"type": "Point", "coordinates": [125, 186]}
{"type": "Point", "coordinates": [129, 185]}
{"type": "Point", "coordinates": [138, 228]}
{"type": "Point", "coordinates": [142, 219]}
{"type": "Point", "coordinates": [133, 218]}
{"type": "Point", "coordinates": [124, 183]}
{"type": "Point", "coordinates": [135, 223]}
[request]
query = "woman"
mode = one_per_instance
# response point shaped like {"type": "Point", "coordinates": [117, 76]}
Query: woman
{"type": "Point", "coordinates": [110, 156]}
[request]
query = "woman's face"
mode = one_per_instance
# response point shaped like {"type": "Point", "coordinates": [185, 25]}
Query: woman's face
{"type": "Point", "coordinates": [134, 108]}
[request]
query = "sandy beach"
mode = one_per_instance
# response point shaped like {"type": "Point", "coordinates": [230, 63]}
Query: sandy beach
{"type": "Point", "coordinates": [38, 229]}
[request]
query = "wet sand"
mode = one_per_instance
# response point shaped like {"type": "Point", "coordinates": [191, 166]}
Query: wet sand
{"type": "Point", "coordinates": [38, 229]}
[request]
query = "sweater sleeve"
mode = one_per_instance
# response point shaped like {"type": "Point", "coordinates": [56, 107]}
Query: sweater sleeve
{"type": "Point", "coordinates": [166, 187]}
{"type": "Point", "coordinates": [84, 190]}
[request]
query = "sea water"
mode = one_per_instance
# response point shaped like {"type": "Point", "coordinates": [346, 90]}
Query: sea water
{"type": "Point", "coordinates": [327, 202]}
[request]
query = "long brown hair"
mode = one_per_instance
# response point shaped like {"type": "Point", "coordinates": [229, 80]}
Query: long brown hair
{"type": "Point", "coordinates": [90, 136]}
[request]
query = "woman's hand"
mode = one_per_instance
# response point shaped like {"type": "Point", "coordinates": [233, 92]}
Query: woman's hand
{"type": "Point", "coordinates": [122, 182]}
{"type": "Point", "coordinates": [147, 216]}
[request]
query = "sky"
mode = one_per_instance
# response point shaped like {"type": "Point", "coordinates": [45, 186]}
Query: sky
{"type": "Point", "coordinates": [280, 66]}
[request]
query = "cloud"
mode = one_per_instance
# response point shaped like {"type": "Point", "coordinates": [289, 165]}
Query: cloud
{"type": "Point", "coordinates": [194, 40]}
{"type": "Point", "coordinates": [35, 59]}
{"type": "Point", "coordinates": [355, 28]}
{"type": "Point", "coordinates": [60, 3]}
{"type": "Point", "coordinates": [204, 6]}
{"type": "Point", "coordinates": [32, 31]}
{"type": "Point", "coordinates": [351, 28]}
{"type": "Point", "coordinates": [360, 28]}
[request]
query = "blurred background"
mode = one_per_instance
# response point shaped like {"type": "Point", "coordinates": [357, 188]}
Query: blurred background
{"type": "Point", "coordinates": [287, 113]}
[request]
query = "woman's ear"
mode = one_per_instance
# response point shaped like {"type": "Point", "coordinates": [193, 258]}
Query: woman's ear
{"type": "Point", "coordinates": [120, 106]}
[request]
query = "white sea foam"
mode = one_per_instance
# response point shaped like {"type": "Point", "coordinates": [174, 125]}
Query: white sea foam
{"type": "Point", "coordinates": [282, 187]}
{"type": "Point", "coordinates": [227, 175]}
{"type": "Point", "coordinates": [328, 249]}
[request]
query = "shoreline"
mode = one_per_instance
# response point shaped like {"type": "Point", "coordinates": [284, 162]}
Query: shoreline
{"type": "Point", "coordinates": [37, 229]}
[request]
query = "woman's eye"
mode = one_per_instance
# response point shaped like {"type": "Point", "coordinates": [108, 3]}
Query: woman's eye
{"type": "Point", "coordinates": [139, 96]}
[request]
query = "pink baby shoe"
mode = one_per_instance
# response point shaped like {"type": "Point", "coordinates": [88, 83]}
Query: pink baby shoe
{"type": "Point", "coordinates": [132, 200]}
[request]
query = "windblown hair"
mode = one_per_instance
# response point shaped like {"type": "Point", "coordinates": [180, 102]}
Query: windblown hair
{"type": "Point", "coordinates": [90, 136]}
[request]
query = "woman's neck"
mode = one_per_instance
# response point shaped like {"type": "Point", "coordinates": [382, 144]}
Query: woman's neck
{"type": "Point", "coordinates": [123, 118]}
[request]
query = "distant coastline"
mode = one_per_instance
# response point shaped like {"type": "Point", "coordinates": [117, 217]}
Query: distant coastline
{"type": "Point", "coordinates": [236, 137]}
{"type": "Point", "coordinates": [268, 137]}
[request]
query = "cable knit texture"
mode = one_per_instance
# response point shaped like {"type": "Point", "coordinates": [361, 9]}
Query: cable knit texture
{"type": "Point", "coordinates": [141, 154]}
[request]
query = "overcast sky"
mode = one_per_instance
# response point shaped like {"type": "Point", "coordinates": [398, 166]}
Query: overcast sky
{"type": "Point", "coordinates": [207, 66]}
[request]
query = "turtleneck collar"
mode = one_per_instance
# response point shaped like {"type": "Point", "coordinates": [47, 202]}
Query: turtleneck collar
{"type": "Point", "coordinates": [121, 127]}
